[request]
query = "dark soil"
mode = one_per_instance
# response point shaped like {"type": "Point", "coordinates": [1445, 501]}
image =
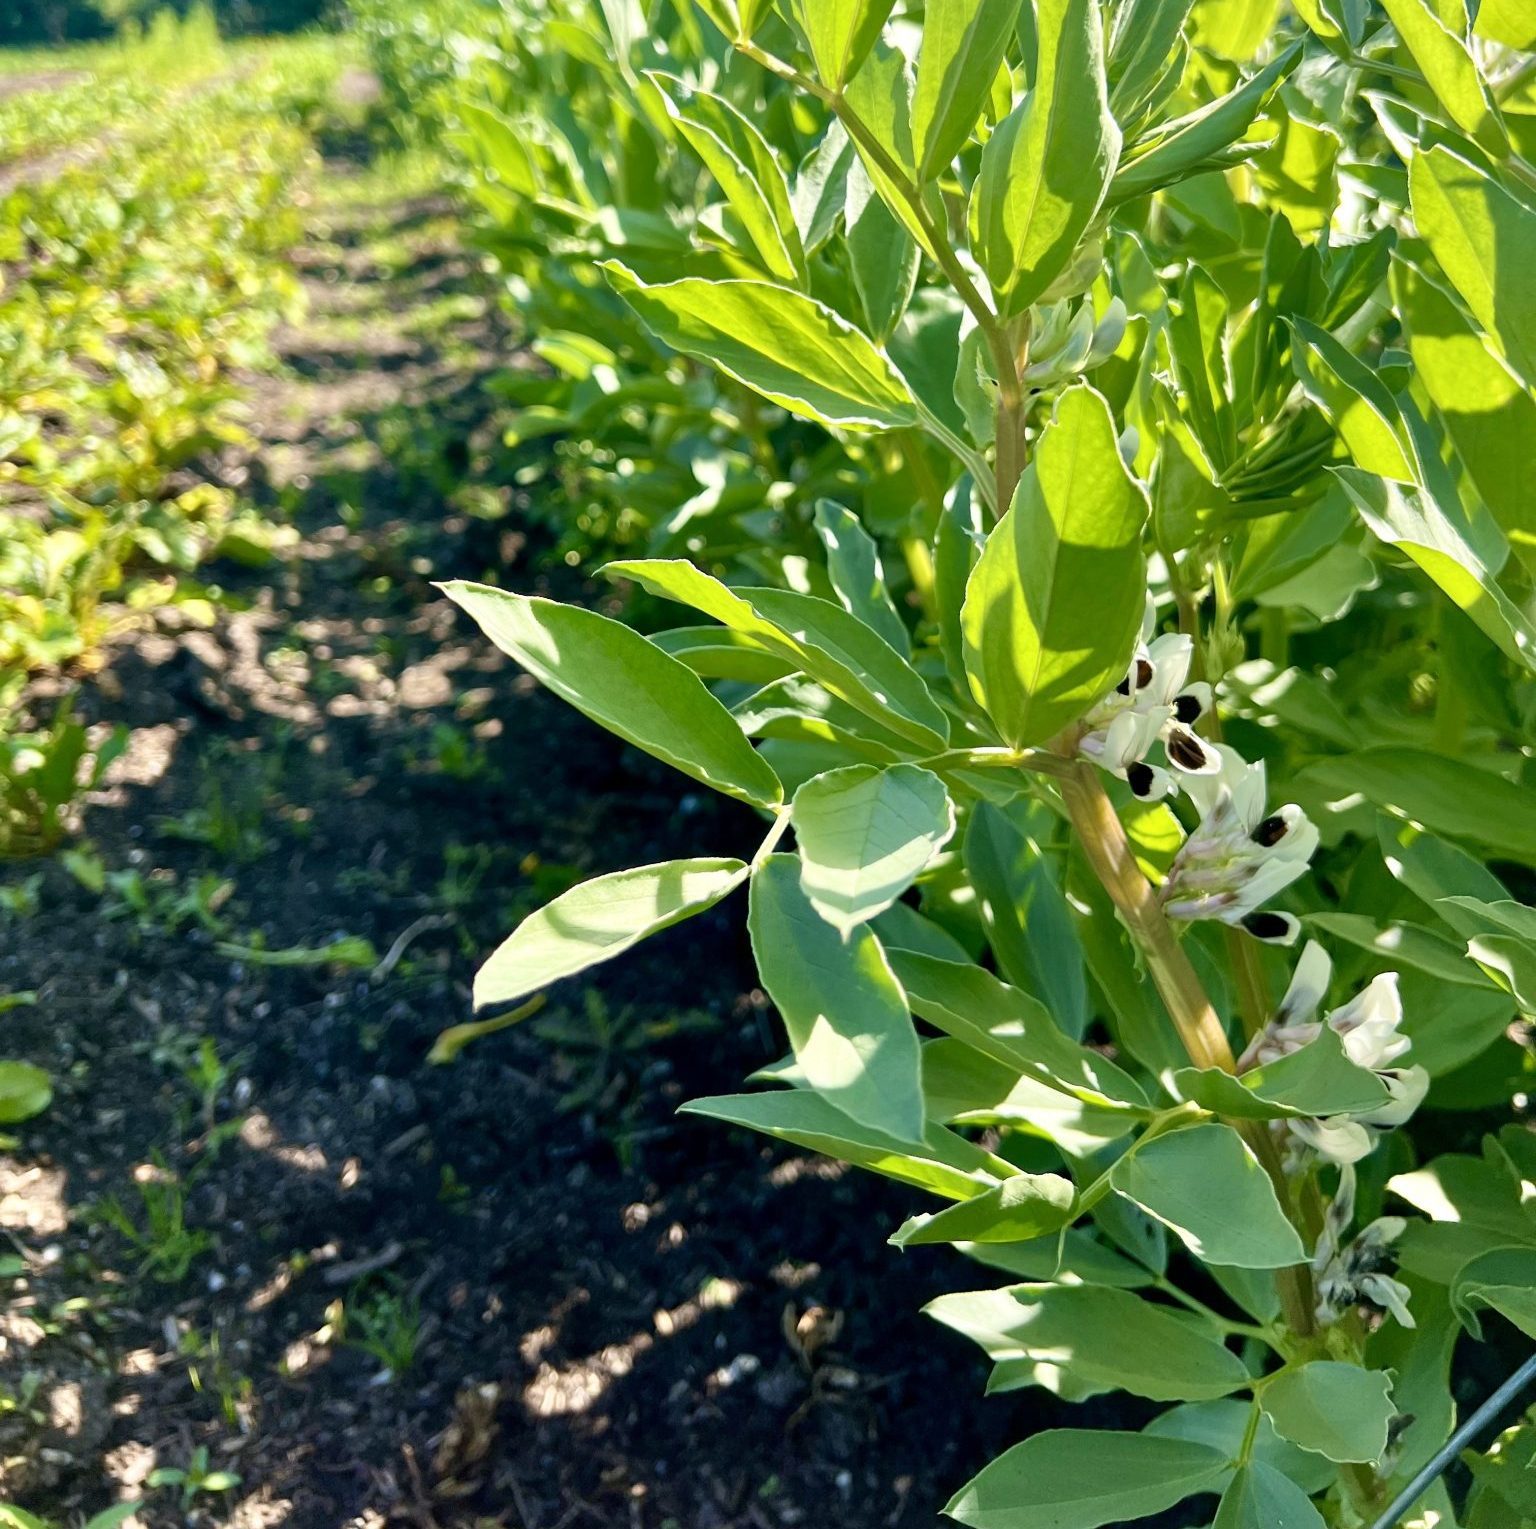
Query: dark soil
{"type": "Point", "coordinates": [620, 1317]}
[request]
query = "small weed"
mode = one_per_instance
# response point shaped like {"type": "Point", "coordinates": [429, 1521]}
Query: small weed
{"type": "Point", "coordinates": [194, 1479]}
{"type": "Point", "coordinates": [21, 899]}
{"type": "Point", "coordinates": [384, 1321]}
{"type": "Point", "coordinates": [166, 1245]}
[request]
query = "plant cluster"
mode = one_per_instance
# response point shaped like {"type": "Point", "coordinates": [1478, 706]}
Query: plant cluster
{"type": "Point", "coordinates": [1146, 841]}
{"type": "Point", "coordinates": [139, 282]}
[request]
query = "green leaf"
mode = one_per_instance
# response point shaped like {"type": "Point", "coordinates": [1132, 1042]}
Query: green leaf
{"type": "Point", "coordinates": [1011, 1027]}
{"type": "Point", "coordinates": [818, 637]}
{"type": "Point", "coordinates": [1068, 1478]}
{"type": "Point", "coordinates": [1039, 648]}
{"type": "Point", "coordinates": [864, 834]}
{"type": "Point", "coordinates": [1048, 164]}
{"type": "Point", "coordinates": [739, 158]}
{"type": "Point", "coordinates": [845, 1012]}
{"type": "Point", "coordinates": [839, 34]}
{"type": "Point", "coordinates": [787, 346]}
{"type": "Point", "coordinates": [1026, 917]}
{"type": "Point", "coordinates": [1337, 1410]}
{"type": "Point", "coordinates": [1031, 1205]}
{"type": "Point", "coordinates": [1109, 1340]}
{"type": "Point", "coordinates": [1224, 1425]}
{"type": "Point", "coordinates": [1412, 522]}
{"type": "Point", "coordinates": [938, 1160]}
{"type": "Point", "coordinates": [1510, 963]}
{"type": "Point", "coordinates": [1482, 238]}
{"type": "Point", "coordinates": [883, 256]}
{"type": "Point", "coordinates": [1399, 944]}
{"type": "Point", "coordinates": [599, 920]}
{"type": "Point", "coordinates": [1486, 410]}
{"type": "Point", "coordinates": [964, 43]}
{"type": "Point", "coordinates": [626, 684]}
{"type": "Point", "coordinates": [1511, 22]}
{"type": "Point", "coordinates": [1317, 1079]}
{"type": "Point", "coordinates": [1503, 1279]}
{"type": "Point", "coordinates": [1356, 401]}
{"type": "Point", "coordinates": [853, 565]}
{"type": "Point", "coordinates": [25, 1091]}
{"type": "Point", "coordinates": [1444, 795]}
{"type": "Point", "coordinates": [1261, 1498]}
{"type": "Point", "coordinates": [1175, 150]}
{"type": "Point", "coordinates": [1448, 67]}
{"type": "Point", "coordinates": [1206, 1186]}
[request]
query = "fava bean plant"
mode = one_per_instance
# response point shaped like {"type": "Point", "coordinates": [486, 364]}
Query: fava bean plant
{"type": "Point", "coordinates": [1144, 853]}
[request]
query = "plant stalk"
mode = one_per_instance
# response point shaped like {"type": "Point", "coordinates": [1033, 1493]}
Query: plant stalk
{"type": "Point", "coordinates": [1099, 831]}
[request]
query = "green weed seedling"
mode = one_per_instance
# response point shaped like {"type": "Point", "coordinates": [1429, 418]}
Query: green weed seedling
{"type": "Point", "coordinates": [193, 1480]}
{"type": "Point", "coordinates": [167, 1247]}
{"type": "Point", "coordinates": [382, 1320]}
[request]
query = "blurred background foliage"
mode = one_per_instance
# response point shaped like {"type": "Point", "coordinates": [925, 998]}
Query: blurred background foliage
{"type": "Point", "coordinates": [56, 21]}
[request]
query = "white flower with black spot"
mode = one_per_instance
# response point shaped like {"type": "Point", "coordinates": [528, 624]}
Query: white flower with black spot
{"type": "Point", "coordinates": [1155, 702]}
{"type": "Point", "coordinates": [1369, 1026]}
{"type": "Point", "coordinates": [1240, 855]}
{"type": "Point", "coordinates": [1353, 1274]}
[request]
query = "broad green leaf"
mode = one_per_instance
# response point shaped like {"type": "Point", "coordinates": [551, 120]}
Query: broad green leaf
{"type": "Point", "coordinates": [1510, 963]}
{"type": "Point", "coordinates": [624, 683]}
{"type": "Point", "coordinates": [1076, 1258]}
{"type": "Point", "coordinates": [1261, 1498]}
{"type": "Point", "coordinates": [962, 1086]}
{"type": "Point", "coordinates": [1040, 649]}
{"type": "Point", "coordinates": [1399, 944]}
{"type": "Point", "coordinates": [739, 158]}
{"type": "Point", "coordinates": [1178, 149]}
{"type": "Point", "coordinates": [1511, 22]}
{"type": "Point", "coordinates": [820, 638]}
{"type": "Point", "coordinates": [1487, 411]}
{"type": "Point", "coordinates": [787, 346]}
{"type": "Point", "coordinates": [1356, 401]}
{"type": "Point", "coordinates": [1446, 796]}
{"type": "Point", "coordinates": [1206, 1186]}
{"type": "Point", "coordinates": [1317, 1079]}
{"type": "Point", "coordinates": [1031, 1205]}
{"type": "Point", "coordinates": [938, 1160]}
{"type": "Point", "coordinates": [504, 146]}
{"type": "Point", "coordinates": [1482, 237]}
{"type": "Point", "coordinates": [1047, 166]}
{"type": "Point", "coordinates": [1068, 1478]}
{"type": "Point", "coordinates": [1431, 868]}
{"type": "Point", "coordinates": [821, 186]}
{"type": "Point", "coordinates": [839, 34]}
{"type": "Point", "coordinates": [1027, 919]}
{"type": "Point", "coordinates": [1503, 1279]}
{"type": "Point", "coordinates": [845, 1012]}
{"type": "Point", "coordinates": [25, 1091]}
{"type": "Point", "coordinates": [1197, 344]}
{"type": "Point", "coordinates": [1472, 916]}
{"type": "Point", "coordinates": [1110, 1340]}
{"type": "Point", "coordinates": [853, 565]}
{"type": "Point", "coordinates": [1224, 1425]}
{"type": "Point", "coordinates": [601, 919]}
{"type": "Point", "coordinates": [1412, 522]}
{"type": "Point", "coordinates": [883, 256]}
{"type": "Point", "coordinates": [1011, 1027]}
{"type": "Point", "coordinates": [1447, 65]}
{"type": "Point", "coordinates": [1337, 1410]}
{"type": "Point", "coordinates": [864, 834]}
{"type": "Point", "coordinates": [717, 653]}
{"type": "Point", "coordinates": [964, 42]}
